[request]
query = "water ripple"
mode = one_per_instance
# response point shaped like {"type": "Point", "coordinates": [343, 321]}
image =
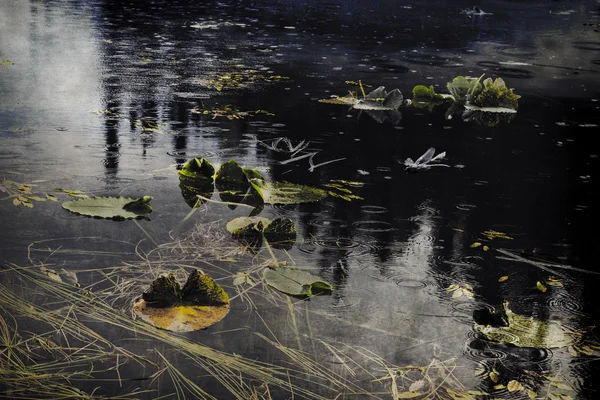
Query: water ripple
{"type": "Point", "coordinates": [373, 226]}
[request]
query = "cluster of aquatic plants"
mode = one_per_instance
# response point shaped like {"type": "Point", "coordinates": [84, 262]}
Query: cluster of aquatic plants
{"type": "Point", "coordinates": [486, 102]}
{"type": "Point", "coordinates": [237, 186]}
{"type": "Point", "coordinates": [379, 104]}
{"type": "Point", "coordinates": [237, 79]}
{"type": "Point", "coordinates": [230, 112]}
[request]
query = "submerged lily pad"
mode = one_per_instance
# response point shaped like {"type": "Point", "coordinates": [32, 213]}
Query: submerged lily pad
{"type": "Point", "coordinates": [240, 225]}
{"type": "Point", "coordinates": [290, 193]}
{"type": "Point", "coordinates": [201, 303]}
{"type": "Point", "coordinates": [295, 282]}
{"type": "Point", "coordinates": [116, 208]}
{"type": "Point", "coordinates": [522, 331]}
{"type": "Point", "coordinates": [280, 232]}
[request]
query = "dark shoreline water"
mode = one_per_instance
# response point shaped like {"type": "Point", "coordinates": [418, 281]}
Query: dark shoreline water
{"type": "Point", "coordinates": [85, 78]}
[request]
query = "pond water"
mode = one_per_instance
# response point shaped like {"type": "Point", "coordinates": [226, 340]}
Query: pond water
{"type": "Point", "coordinates": [111, 98]}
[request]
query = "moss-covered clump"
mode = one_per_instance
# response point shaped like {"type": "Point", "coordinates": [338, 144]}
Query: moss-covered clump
{"type": "Point", "coordinates": [496, 94]}
{"type": "Point", "coordinates": [164, 290]}
{"type": "Point", "coordinates": [199, 290]}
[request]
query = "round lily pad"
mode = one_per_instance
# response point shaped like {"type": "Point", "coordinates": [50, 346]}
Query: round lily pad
{"type": "Point", "coordinates": [117, 208]}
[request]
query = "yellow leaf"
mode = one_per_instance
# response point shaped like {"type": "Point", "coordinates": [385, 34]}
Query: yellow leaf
{"type": "Point", "coordinates": [416, 385]}
{"type": "Point", "coordinates": [561, 385]}
{"type": "Point", "coordinates": [476, 244]}
{"type": "Point", "coordinates": [494, 376]}
{"type": "Point", "coordinates": [485, 248]}
{"type": "Point", "coordinates": [452, 287]}
{"type": "Point", "coordinates": [531, 393]}
{"type": "Point", "coordinates": [498, 387]}
{"type": "Point", "coordinates": [16, 201]}
{"type": "Point", "coordinates": [514, 386]}
{"type": "Point", "coordinates": [408, 395]}
{"type": "Point", "coordinates": [541, 286]}
{"type": "Point", "coordinates": [457, 293]}
{"type": "Point", "coordinates": [503, 278]}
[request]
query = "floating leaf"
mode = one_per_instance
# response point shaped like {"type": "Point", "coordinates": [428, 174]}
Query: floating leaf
{"type": "Point", "coordinates": [51, 197]}
{"type": "Point", "coordinates": [514, 386]}
{"type": "Point", "coordinates": [491, 235]}
{"type": "Point", "coordinates": [485, 248]}
{"type": "Point", "coordinates": [541, 287]}
{"type": "Point", "coordinates": [242, 278]}
{"type": "Point", "coordinates": [494, 376]}
{"type": "Point", "coordinates": [503, 278]}
{"type": "Point", "coordinates": [198, 168]}
{"type": "Point", "coordinates": [183, 318]}
{"type": "Point", "coordinates": [476, 244]}
{"type": "Point", "coordinates": [552, 281]}
{"type": "Point", "coordinates": [457, 293]}
{"type": "Point", "coordinates": [290, 193]}
{"type": "Point", "coordinates": [416, 385]}
{"type": "Point", "coordinates": [236, 225]}
{"type": "Point", "coordinates": [52, 274]}
{"type": "Point", "coordinates": [72, 193]}
{"type": "Point", "coordinates": [294, 282]}
{"type": "Point", "coordinates": [524, 331]}
{"type": "Point", "coordinates": [116, 208]}
{"type": "Point", "coordinates": [201, 303]}
{"type": "Point", "coordinates": [408, 395]}
{"type": "Point", "coordinates": [452, 287]}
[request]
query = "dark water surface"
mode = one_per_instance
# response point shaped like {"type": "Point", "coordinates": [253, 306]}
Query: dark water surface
{"type": "Point", "coordinates": [84, 80]}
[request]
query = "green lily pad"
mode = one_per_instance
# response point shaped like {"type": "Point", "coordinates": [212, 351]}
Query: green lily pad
{"type": "Point", "coordinates": [116, 208]}
{"type": "Point", "coordinates": [295, 282]}
{"type": "Point", "coordinates": [238, 225]}
{"type": "Point", "coordinates": [290, 193]}
{"type": "Point", "coordinates": [198, 168]}
{"type": "Point", "coordinates": [524, 331]}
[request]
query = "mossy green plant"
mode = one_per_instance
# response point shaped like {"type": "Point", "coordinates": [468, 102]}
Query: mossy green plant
{"type": "Point", "coordinates": [199, 290]}
{"type": "Point", "coordinates": [496, 94]}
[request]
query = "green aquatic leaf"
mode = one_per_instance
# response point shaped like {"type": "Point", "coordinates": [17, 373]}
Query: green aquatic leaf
{"type": "Point", "coordinates": [240, 225]}
{"type": "Point", "coordinates": [291, 193]}
{"type": "Point", "coordinates": [116, 208]}
{"type": "Point", "coordinates": [198, 168]}
{"type": "Point", "coordinates": [461, 86]}
{"type": "Point", "coordinates": [524, 331]}
{"type": "Point", "coordinates": [295, 282]}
